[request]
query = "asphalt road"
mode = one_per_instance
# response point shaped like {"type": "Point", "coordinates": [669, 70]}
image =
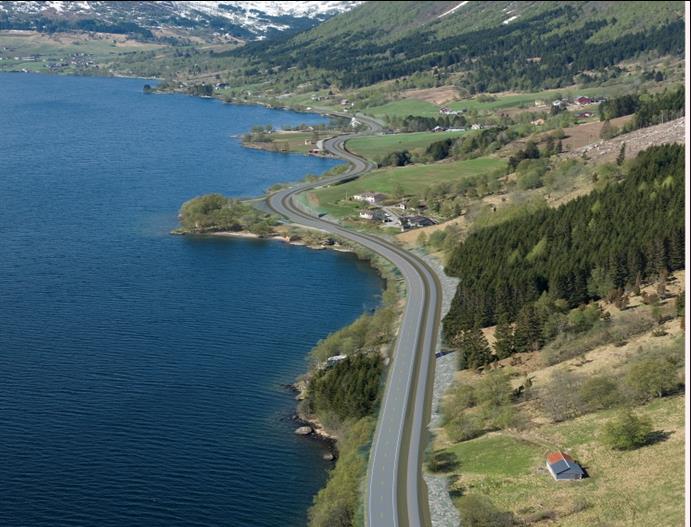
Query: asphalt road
{"type": "Point", "coordinates": [396, 493]}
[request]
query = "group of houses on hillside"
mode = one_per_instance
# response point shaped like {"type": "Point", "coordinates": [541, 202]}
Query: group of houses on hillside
{"type": "Point", "coordinates": [370, 197]}
{"type": "Point", "coordinates": [581, 100]}
{"type": "Point", "coordinates": [379, 214]}
{"type": "Point", "coordinates": [372, 214]}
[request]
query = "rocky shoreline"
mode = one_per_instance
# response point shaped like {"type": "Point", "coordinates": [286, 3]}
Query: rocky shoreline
{"type": "Point", "coordinates": [270, 147]}
{"type": "Point", "coordinates": [335, 246]}
{"type": "Point", "coordinates": [310, 426]}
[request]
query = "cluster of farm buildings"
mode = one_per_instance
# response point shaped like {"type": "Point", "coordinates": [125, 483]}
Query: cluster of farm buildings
{"type": "Point", "coordinates": [378, 212]}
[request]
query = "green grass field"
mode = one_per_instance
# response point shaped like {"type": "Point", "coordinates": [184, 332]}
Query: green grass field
{"type": "Point", "coordinates": [378, 146]}
{"type": "Point", "coordinates": [507, 101]}
{"type": "Point", "coordinates": [404, 108]}
{"type": "Point", "coordinates": [499, 455]}
{"type": "Point", "coordinates": [414, 179]}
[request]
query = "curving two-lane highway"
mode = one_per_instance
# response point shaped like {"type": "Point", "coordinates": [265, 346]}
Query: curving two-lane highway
{"type": "Point", "coordinates": [396, 493]}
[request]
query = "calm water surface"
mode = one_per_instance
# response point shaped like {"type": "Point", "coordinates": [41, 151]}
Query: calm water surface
{"type": "Point", "coordinates": [141, 373]}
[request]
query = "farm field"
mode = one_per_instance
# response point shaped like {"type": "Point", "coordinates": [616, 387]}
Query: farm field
{"type": "Point", "coordinates": [413, 180]}
{"type": "Point", "coordinates": [403, 108]}
{"type": "Point", "coordinates": [59, 47]}
{"type": "Point", "coordinates": [379, 146]}
{"type": "Point", "coordinates": [411, 106]}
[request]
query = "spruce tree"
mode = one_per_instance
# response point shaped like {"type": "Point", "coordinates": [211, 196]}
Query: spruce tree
{"type": "Point", "coordinates": [503, 347]}
{"type": "Point", "coordinates": [634, 263]}
{"type": "Point", "coordinates": [475, 350]}
{"type": "Point", "coordinates": [676, 250]}
{"type": "Point", "coordinates": [617, 271]}
{"type": "Point", "coordinates": [528, 332]}
{"type": "Point", "coordinates": [656, 256]}
{"type": "Point", "coordinates": [622, 155]}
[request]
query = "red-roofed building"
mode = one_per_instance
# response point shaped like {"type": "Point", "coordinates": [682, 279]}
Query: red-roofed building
{"type": "Point", "coordinates": [584, 100]}
{"type": "Point", "coordinates": [563, 467]}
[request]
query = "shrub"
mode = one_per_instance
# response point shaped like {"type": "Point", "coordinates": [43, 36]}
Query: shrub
{"type": "Point", "coordinates": [650, 299]}
{"type": "Point", "coordinates": [561, 398]}
{"type": "Point", "coordinates": [456, 487]}
{"type": "Point", "coordinates": [501, 418]}
{"type": "Point", "coordinates": [494, 390]}
{"type": "Point", "coordinates": [396, 159]}
{"type": "Point", "coordinates": [464, 427]}
{"type": "Point", "coordinates": [627, 431]}
{"type": "Point", "coordinates": [439, 150]}
{"type": "Point", "coordinates": [337, 503]}
{"type": "Point", "coordinates": [479, 511]}
{"type": "Point", "coordinates": [443, 461]}
{"type": "Point", "coordinates": [598, 393]}
{"type": "Point", "coordinates": [652, 377]}
{"type": "Point", "coordinates": [462, 397]}
{"type": "Point", "coordinates": [530, 174]}
{"type": "Point", "coordinates": [584, 318]}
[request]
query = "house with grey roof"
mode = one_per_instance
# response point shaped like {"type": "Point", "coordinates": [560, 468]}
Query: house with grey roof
{"type": "Point", "coordinates": [563, 467]}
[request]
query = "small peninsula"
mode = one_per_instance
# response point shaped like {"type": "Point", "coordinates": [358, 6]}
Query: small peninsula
{"type": "Point", "coordinates": [213, 213]}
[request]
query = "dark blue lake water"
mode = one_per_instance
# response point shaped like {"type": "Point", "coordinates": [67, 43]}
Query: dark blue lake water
{"type": "Point", "coordinates": [141, 373]}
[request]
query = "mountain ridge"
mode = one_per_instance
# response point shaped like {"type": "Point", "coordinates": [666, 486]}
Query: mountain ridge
{"type": "Point", "coordinates": [248, 20]}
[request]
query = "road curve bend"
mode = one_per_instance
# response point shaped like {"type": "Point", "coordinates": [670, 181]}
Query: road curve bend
{"type": "Point", "coordinates": [396, 493]}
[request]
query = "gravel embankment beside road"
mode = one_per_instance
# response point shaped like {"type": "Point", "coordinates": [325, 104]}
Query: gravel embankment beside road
{"type": "Point", "coordinates": [442, 509]}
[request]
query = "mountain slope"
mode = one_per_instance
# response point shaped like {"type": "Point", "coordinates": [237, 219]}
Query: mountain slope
{"type": "Point", "coordinates": [248, 20]}
{"type": "Point", "coordinates": [500, 45]}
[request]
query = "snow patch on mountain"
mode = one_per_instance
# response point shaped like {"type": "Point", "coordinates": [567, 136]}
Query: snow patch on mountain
{"type": "Point", "coordinates": [253, 17]}
{"type": "Point", "coordinates": [453, 9]}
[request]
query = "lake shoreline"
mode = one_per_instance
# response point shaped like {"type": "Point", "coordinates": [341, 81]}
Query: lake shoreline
{"type": "Point", "coordinates": [308, 426]}
{"type": "Point", "coordinates": [274, 237]}
{"type": "Point", "coordinates": [267, 147]}
{"type": "Point", "coordinates": [146, 299]}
